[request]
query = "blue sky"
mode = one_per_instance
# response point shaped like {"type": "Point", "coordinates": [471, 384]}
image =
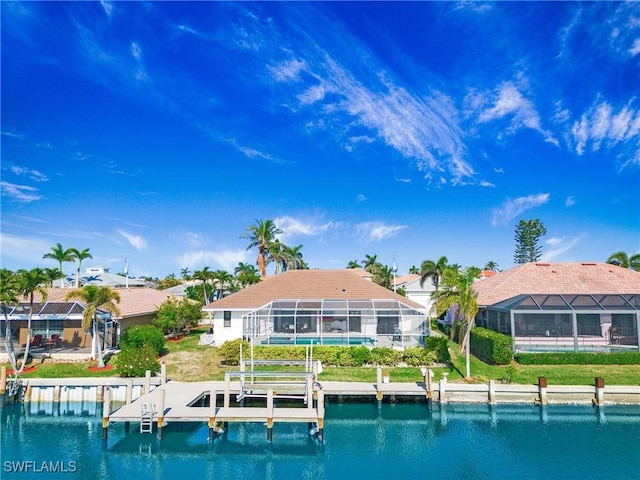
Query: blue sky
{"type": "Point", "coordinates": [158, 131]}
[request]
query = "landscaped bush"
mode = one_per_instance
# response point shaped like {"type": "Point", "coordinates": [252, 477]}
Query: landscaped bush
{"type": "Point", "coordinates": [134, 362]}
{"type": "Point", "coordinates": [418, 356]}
{"type": "Point", "coordinates": [491, 347]}
{"type": "Point", "coordinates": [440, 347]}
{"type": "Point", "coordinates": [230, 351]}
{"type": "Point", "coordinates": [139, 335]}
{"type": "Point", "coordinates": [579, 358]}
{"type": "Point", "coordinates": [328, 355]}
{"type": "Point", "coordinates": [385, 356]}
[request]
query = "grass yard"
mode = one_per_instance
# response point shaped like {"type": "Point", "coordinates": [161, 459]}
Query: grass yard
{"type": "Point", "coordinates": [188, 361]}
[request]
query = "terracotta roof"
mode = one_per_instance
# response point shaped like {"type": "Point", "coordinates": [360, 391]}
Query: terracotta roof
{"type": "Point", "coordinates": [410, 277]}
{"type": "Point", "coordinates": [309, 284]}
{"type": "Point", "coordinates": [557, 278]}
{"type": "Point", "coordinates": [133, 301]}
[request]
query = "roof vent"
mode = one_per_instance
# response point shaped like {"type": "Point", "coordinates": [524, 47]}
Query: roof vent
{"type": "Point", "coordinates": [590, 264]}
{"type": "Point", "coordinates": [543, 264]}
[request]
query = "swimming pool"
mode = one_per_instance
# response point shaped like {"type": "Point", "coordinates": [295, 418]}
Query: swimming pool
{"type": "Point", "coordinates": [400, 441]}
{"type": "Point", "coordinates": [325, 340]}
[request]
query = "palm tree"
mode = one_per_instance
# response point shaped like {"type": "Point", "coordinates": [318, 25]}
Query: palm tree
{"type": "Point", "coordinates": [262, 235]}
{"type": "Point", "coordinates": [383, 276]}
{"type": "Point", "coordinates": [293, 258]}
{"type": "Point", "coordinates": [433, 270]}
{"type": "Point", "coordinates": [52, 274]}
{"type": "Point", "coordinates": [29, 282]}
{"type": "Point", "coordinates": [370, 263]}
{"type": "Point", "coordinates": [246, 274]}
{"type": "Point", "coordinates": [457, 290]}
{"type": "Point", "coordinates": [621, 259]}
{"type": "Point", "coordinates": [79, 255]}
{"type": "Point", "coordinates": [205, 276]}
{"type": "Point", "coordinates": [277, 254]}
{"type": "Point", "coordinates": [413, 270]}
{"type": "Point", "coordinates": [491, 266]}
{"type": "Point", "coordinates": [353, 264]}
{"type": "Point", "coordinates": [61, 255]}
{"type": "Point", "coordinates": [184, 273]}
{"type": "Point", "coordinates": [8, 296]}
{"type": "Point", "coordinates": [95, 298]}
{"type": "Point", "coordinates": [223, 278]}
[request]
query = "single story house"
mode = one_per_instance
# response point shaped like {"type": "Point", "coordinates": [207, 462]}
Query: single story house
{"type": "Point", "coordinates": [61, 320]}
{"type": "Point", "coordinates": [101, 277]}
{"type": "Point", "coordinates": [588, 306]}
{"type": "Point", "coordinates": [329, 307]}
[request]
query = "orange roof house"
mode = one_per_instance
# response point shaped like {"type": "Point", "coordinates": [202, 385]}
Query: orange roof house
{"type": "Point", "coordinates": [560, 306]}
{"type": "Point", "coordinates": [320, 306]}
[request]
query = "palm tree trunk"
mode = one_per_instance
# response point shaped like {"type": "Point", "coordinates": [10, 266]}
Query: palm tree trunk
{"type": "Point", "coordinates": [8, 343]}
{"type": "Point", "coordinates": [96, 335]}
{"type": "Point", "coordinates": [466, 357]}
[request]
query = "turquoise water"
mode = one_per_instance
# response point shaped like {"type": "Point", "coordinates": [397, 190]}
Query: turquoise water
{"type": "Point", "coordinates": [397, 441]}
{"type": "Point", "coordinates": [318, 341]}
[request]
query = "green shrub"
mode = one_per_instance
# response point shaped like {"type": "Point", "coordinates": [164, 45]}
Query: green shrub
{"type": "Point", "coordinates": [439, 346]}
{"type": "Point", "coordinates": [328, 355]}
{"type": "Point", "coordinates": [579, 358]}
{"type": "Point", "coordinates": [266, 352]}
{"type": "Point", "coordinates": [418, 356]}
{"type": "Point", "coordinates": [134, 362]}
{"type": "Point", "coordinates": [385, 356]}
{"type": "Point", "coordinates": [491, 347]}
{"type": "Point", "coordinates": [139, 335]}
{"type": "Point", "coordinates": [230, 351]}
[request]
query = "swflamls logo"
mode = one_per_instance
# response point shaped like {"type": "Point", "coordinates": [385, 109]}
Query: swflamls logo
{"type": "Point", "coordinates": [33, 466]}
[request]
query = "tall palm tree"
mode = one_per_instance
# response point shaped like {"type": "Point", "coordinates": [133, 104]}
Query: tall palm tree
{"type": "Point", "coordinates": [491, 266]}
{"type": "Point", "coordinates": [79, 256]}
{"type": "Point", "coordinates": [223, 278]}
{"type": "Point", "coordinates": [262, 235]}
{"type": "Point", "coordinates": [457, 290]}
{"type": "Point", "coordinates": [52, 274]}
{"type": "Point", "coordinates": [621, 259]}
{"type": "Point", "coordinates": [29, 282]}
{"type": "Point", "coordinates": [383, 276]}
{"type": "Point", "coordinates": [8, 296]}
{"type": "Point", "coordinates": [414, 270]}
{"type": "Point", "coordinates": [246, 274]}
{"type": "Point", "coordinates": [61, 255]}
{"type": "Point", "coordinates": [184, 273]}
{"type": "Point", "coordinates": [353, 264]}
{"type": "Point", "coordinates": [95, 299]}
{"type": "Point", "coordinates": [433, 270]}
{"type": "Point", "coordinates": [277, 255]}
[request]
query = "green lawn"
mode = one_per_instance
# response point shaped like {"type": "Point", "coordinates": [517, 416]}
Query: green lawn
{"type": "Point", "coordinates": [188, 361]}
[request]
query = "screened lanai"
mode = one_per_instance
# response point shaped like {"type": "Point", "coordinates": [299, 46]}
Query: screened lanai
{"type": "Point", "coordinates": [605, 322]}
{"type": "Point", "coordinates": [337, 322]}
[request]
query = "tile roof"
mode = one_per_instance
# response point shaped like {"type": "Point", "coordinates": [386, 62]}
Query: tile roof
{"type": "Point", "coordinates": [309, 284]}
{"type": "Point", "coordinates": [557, 278]}
{"type": "Point", "coordinates": [133, 301]}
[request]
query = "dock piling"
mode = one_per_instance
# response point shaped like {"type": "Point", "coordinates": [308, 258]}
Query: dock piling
{"type": "Point", "coordinates": [160, 421]}
{"type": "Point", "coordinates": [542, 390]}
{"type": "Point", "coordinates": [270, 414]}
{"type": "Point", "coordinates": [379, 393]}
{"type": "Point", "coordinates": [599, 384]}
{"type": "Point", "coordinates": [492, 392]}
{"type": "Point", "coordinates": [106, 410]}
{"type": "Point", "coordinates": [147, 382]}
{"type": "Point", "coordinates": [443, 388]}
{"type": "Point", "coordinates": [321, 415]}
{"type": "Point", "coordinates": [212, 413]}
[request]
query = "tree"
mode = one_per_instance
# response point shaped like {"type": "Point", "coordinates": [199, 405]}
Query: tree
{"type": "Point", "coordinates": [79, 256]}
{"type": "Point", "coordinates": [433, 270]}
{"type": "Point", "coordinates": [223, 278]}
{"type": "Point", "coordinates": [9, 288]}
{"type": "Point", "coordinates": [293, 258]}
{"type": "Point", "coordinates": [262, 235]}
{"type": "Point", "coordinates": [414, 270]}
{"type": "Point", "coordinates": [491, 266]}
{"type": "Point", "coordinates": [383, 276]}
{"type": "Point", "coordinates": [246, 274]}
{"type": "Point", "coordinates": [277, 255]}
{"type": "Point", "coordinates": [353, 264]}
{"type": "Point", "coordinates": [204, 275]}
{"type": "Point", "coordinates": [527, 236]}
{"type": "Point", "coordinates": [52, 274]}
{"type": "Point", "coordinates": [61, 255]}
{"type": "Point", "coordinates": [29, 282]}
{"type": "Point", "coordinates": [95, 299]}
{"type": "Point", "coordinates": [370, 263]}
{"type": "Point", "coordinates": [185, 273]}
{"type": "Point", "coordinates": [173, 316]}
{"type": "Point", "coordinates": [457, 291]}
{"type": "Point", "coordinates": [621, 259]}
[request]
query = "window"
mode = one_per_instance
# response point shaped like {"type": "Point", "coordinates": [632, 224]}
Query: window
{"type": "Point", "coordinates": [227, 318]}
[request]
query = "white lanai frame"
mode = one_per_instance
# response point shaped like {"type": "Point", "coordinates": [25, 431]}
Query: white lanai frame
{"type": "Point", "coordinates": [363, 321]}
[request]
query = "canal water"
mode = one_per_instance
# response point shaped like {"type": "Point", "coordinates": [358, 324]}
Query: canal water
{"type": "Point", "coordinates": [362, 441]}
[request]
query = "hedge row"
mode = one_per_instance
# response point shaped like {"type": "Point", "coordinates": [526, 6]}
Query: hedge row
{"type": "Point", "coordinates": [436, 351]}
{"type": "Point", "coordinates": [140, 346]}
{"type": "Point", "coordinates": [491, 347]}
{"type": "Point", "coordinates": [579, 358]}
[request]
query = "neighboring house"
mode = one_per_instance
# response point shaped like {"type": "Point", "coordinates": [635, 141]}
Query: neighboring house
{"type": "Point", "coordinates": [56, 316]}
{"type": "Point", "coordinates": [100, 276]}
{"type": "Point", "coordinates": [420, 293]}
{"type": "Point", "coordinates": [340, 307]}
{"type": "Point", "coordinates": [563, 306]}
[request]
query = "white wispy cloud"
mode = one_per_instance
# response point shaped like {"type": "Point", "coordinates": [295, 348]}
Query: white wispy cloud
{"type": "Point", "coordinates": [602, 126]}
{"type": "Point", "coordinates": [361, 198]}
{"type": "Point", "coordinates": [560, 245]}
{"type": "Point", "coordinates": [513, 208]}
{"type": "Point", "coordinates": [635, 49]}
{"type": "Point", "coordinates": [375, 231]}
{"type": "Point", "coordinates": [225, 259]}
{"type": "Point", "coordinates": [136, 241]}
{"type": "Point", "coordinates": [29, 173]}
{"type": "Point", "coordinates": [507, 102]}
{"type": "Point", "coordinates": [107, 7]}
{"type": "Point", "coordinates": [570, 201]}
{"type": "Point", "coordinates": [25, 250]}
{"type": "Point", "coordinates": [136, 53]}
{"type": "Point", "coordinates": [21, 193]}
{"type": "Point", "coordinates": [294, 227]}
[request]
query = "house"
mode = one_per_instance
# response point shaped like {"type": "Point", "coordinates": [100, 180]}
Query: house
{"type": "Point", "coordinates": [339, 307]}
{"type": "Point", "coordinates": [587, 306]}
{"type": "Point", "coordinates": [101, 276]}
{"type": "Point", "coordinates": [62, 318]}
